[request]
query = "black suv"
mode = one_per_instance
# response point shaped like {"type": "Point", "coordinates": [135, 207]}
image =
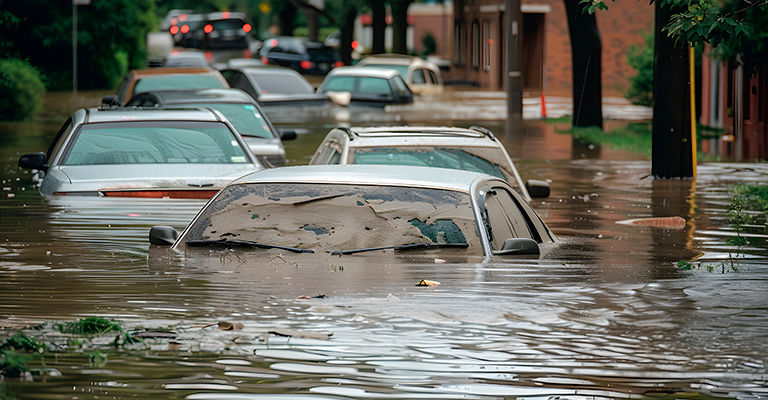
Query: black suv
{"type": "Point", "coordinates": [303, 55]}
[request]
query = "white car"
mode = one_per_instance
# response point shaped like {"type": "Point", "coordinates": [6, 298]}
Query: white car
{"type": "Point", "coordinates": [173, 153]}
{"type": "Point", "coordinates": [422, 76]}
{"type": "Point", "coordinates": [471, 149]}
{"type": "Point", "coordinates": [345, 210]}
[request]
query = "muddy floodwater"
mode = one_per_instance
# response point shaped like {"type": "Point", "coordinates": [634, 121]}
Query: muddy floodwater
{"type": "Point", "coordinates": [608, 313]}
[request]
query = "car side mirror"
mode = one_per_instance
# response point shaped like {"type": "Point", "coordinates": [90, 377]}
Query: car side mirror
{"type": "Point", "coordinates": [33, 161]}
{"type": "Point", "coordinates": [537, 189]}
{"type": "Point", "coordinates": [162, 235]}
{"type": "Point", "coordinates": [519, 246]}
{"type": "Point", "coordinates": [288, 135]}
{"type": "Point", "coordinates": [111, 100]}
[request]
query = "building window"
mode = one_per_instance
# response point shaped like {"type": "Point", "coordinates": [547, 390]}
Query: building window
{"type": "Point", "coordinates": [476, 45]}
{"type": "Point", "coordinates": [487, 45]}
{"type": "Point", "coordinates": [460, 44]}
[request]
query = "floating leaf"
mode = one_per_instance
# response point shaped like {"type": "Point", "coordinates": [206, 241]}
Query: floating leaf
{"type": "Point", "coordinates": [425, 282]}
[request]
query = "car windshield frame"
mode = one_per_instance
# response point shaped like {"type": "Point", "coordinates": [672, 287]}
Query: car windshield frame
{"type": "Point", "coordinates": [244, 117]}
{"type": "Point", "coordinates": [329, 217]}
{"type": "Point", "coordinates": [153, 142]}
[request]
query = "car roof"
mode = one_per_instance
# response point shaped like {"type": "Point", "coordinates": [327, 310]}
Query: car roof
{"type": "Point", "coordinates": [182, 96]}
{"type": "Point", "coordinates": [367, 136]}
{"type": "Point", "coordinates": [167, 71]}
{"type": "Point", "coordinates": [364, 72]}
{"type": "Point", "coordinates": [384, 175]}
{"type": "Point", "coordinates": [394, 59]}
{"type": "Point", "coordinates": [125, 114]}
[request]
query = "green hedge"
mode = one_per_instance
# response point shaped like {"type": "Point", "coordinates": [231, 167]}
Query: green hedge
{"type": "Point", "coordinates": [21, 90]}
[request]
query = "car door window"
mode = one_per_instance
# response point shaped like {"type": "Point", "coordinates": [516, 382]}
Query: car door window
{"type": "Point", "coordinates": [433, 77]}
{"type": "Point", "coordinates": [505, 219]}
{"type": "Point", "coordinates": [418, 76]}
{"type": "Point", "coordinates": [376, 87]}
{"type": "Point", "coordinates": [239, 81]}
{"type": "Point", "coordinates": [59, 140]}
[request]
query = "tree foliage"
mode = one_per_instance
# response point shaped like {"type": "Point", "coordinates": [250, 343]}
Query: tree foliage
{"type": "Point", "coordinates": [640, 58]}
{"type": "Point", "coordinates": [21, 90]}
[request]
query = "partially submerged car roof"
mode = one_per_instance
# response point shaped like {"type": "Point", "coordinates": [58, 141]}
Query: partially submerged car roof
{"type": "Point", "coordinates": [393, 131]}
{"type": "Point", "coordinates": [385, 73]}
{"type": "Point", "coordinates": [185, 96]}
{"type": "Point", "coordinates": [383, 175]}
{"type": "Point", "coordinates": [122, 114]}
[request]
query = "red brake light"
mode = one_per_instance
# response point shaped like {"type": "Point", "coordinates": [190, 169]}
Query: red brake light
{"type": "Point", "coordinates": [264, 60]}
{"type": "Point", "coordinates": [174, 30]}
{"type": "Point", "coordinates": [247, 28]}
{"type": "Point", "coordinates": [305, 64]}
{"type": "Point", "coordinates": [274, 42]}
{"type": "Point", "coordinates": [182, 17]}
{"type": "Point", "coordinates": [208, 56]}
{"type": "Point", "coordinates": [338, 64]}
{"type": "Point", "coordinates": [355, 43]}
{"type": "Point", "coordinates": [208, 28]}
{"type": "Point", "coordinates": [184, 28]}
{"type": "Point", "coordinates": [225, 14]}
{"type": "Point", "coordinates": [174, 21]}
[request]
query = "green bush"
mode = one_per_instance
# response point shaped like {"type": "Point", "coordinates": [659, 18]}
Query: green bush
{"type": "Point", "coordinates": [21, 90]}
{"type": "Point", "coordinates": [640, 58]}
{"type": "Point", "coordinates": [430, 45]}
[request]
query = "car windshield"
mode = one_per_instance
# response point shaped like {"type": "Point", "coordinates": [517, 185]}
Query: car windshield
{"type": "Point", "coordinates": [171, 142]}
{"type": "Point", "coordinates": [360, 86]}
{"type": "Point", "coordinates": [177, 81]}
{"type": "Point", "coordinates": [284, 84]}
{"type": "Point", "coordinates": [246, 118]}
{"type": "Point", "coordinates": [402, 70]}
{"type": "Point", "coordinates": [333, 217]}
{"type": "Point", "coordinates": [440, 157]}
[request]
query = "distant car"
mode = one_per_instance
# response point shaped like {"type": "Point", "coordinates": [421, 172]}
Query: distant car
{"type": "Point", "coordinates": [183, 26]}
{"type": "Point", "coordinates": [178, 59]}
{"type": "Point", "coordinates": [121, 152]}
{"type": "Point", "coordinates": [351, 209]}
{"type": "Point", "coordinates": [221, 30]}
{"type": "Point", "coordinates": [474, 149]}
{"type": "Point", "coordinates": [274, 86]}
{"type": "Point", "coordinates": [239, 108]}
{"type": "Point", "coordinates": [368, 86]}
{"type": "Point", "coordinates": [144, 80]}
{"type": "Point", "coordinates": [423, 77]}
{"type": "Point", "coordinates": [300, 54]}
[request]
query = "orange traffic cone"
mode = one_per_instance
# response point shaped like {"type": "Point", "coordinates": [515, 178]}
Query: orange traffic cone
{"type": "Point", "coordinates": [543, 106]}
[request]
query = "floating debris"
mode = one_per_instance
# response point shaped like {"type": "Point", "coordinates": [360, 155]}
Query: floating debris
{"type": "Point", "coordinates": [425, 282]}
{"type": "Point", "coordinates": [659, 222]}
{"type": "Point", "coordinates": [299, 334]}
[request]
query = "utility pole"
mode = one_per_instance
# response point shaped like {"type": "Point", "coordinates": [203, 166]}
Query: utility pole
{"type": "Point", "coordinates": [75, 3]}
{"type": "Point", "coordinates": [513, 23]}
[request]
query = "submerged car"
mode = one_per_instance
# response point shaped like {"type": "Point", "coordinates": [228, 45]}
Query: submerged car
{"type": "Point", "coordinates": [144, 80]}
{"type": "Point", "coordinates": [350, 209]}
{"type": "Point", "coordinates": [300, 54]}
{"type": "Point", "coordinates": [274, 86]}
{"type": "Point", "coordinates": [368, 86]}
{"type": "Point", "coordinates": [423, 77]}
{"type": "Point", "coordinates": [471, 149]}
{"type": "Point", "coordinates": [240, 109]}
{"type": "Point", "coordinates": [179, 153]}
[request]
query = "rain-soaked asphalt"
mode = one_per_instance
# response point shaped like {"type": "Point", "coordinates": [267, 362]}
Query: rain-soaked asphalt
{"type": "Point", "coordinates": [606, 314]}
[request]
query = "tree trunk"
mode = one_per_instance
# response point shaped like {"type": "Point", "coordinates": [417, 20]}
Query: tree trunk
{"type": "Point", "coordinates": [672, 152]}
{"type": "Point", "coordinates": [313, 24]}
{"type": "Point", "coordinates": [287, 16]}
{"type": "Point", "coordinates": [587, 66]}
{"type": "Point", "coordinates": [379, 25]}
{"type": "Point", "coordinates": [400, 25]}
{"type": "Point", "coordinates": [347, 32]}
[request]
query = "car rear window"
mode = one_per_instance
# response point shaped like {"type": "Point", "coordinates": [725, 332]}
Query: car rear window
{"type": "Point", "coordinates": [440, 157]}
{"type": "Point", "coordinates": [177, 81]}
{"type": "Point", "coordinates": [283, 84]}
{"type": "Point", "coordinates": [172, 142]}
{"type": "Point", "coordinates": [227, 24]}
{"type": "Point", "coordinates": [246, 118]}
{"type": "Point", "coordinates": [325, 55]}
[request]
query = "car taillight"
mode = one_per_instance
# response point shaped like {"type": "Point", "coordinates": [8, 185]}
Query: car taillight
{"type": "Point", "coordinates": [247, 28]}
{"type": "Point", "coordinates": [182, 17]}
{"type": "Point", "coordinates": [338, 64]}
{"type": "Point", "coordinates": [208, 56]}
{"type": "Point", "coordinates": [247, 53]}
{"type": "Point", "coordinates": [273, 43]}
{"type": "Point", "coordinates": [355, 43]}
{"type": "Point", "coordinates": [208, 28]}
{"type": "Point", "coordinates": [305, 64]}
{"type": "Point", "coordinates": [174, 30]}
{"type": "Point", "coordinates": [184, 28]}
{"type": "Point", "coordinates": [264, 60]}
{"type": "Point", "coordinates": [225, 14]}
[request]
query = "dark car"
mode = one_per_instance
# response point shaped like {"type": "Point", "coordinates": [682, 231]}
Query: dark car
{"type": "Point", "coordinates": [239, 108]}
{"type": "Point", "coordinates": [274, 86]}
{"type": "Point", "coordinates": [222, 30]}
{"type": "Point", "coordinates": [300, 54]}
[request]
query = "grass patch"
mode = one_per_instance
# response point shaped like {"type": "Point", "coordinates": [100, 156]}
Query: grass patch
{"type": "Point", "coordinates": [634, 137]}
{"type": "Point", "coordinates": [90, 326]}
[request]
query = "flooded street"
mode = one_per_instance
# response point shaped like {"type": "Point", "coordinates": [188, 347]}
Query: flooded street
{"type": "Point", "coordinates": [607, 313]}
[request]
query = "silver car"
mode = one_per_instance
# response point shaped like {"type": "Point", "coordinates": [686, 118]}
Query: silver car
{"type": "Point", "coordinates": [472, 149]}
{"type": "Point", "coordinates": [182, 153]}
{"type": "Point", "coordinates": [343, 210]}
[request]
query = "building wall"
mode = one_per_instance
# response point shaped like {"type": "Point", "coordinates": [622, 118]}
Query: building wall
{"type": "Point", "coordinates": [622, 25]}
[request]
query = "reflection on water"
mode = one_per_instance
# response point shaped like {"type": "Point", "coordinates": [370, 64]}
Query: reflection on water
{"type": "Point", "coordinates": [606, 314]}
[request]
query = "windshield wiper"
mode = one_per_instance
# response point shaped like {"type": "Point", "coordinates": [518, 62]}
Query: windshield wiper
{"type": "Point", "coordinates": [412, 246]}
{"type": "Point", "coordinates": [245, 243]}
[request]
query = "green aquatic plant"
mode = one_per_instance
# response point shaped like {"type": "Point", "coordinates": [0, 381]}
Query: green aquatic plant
{"type": "Point", "coordinates": [90, 326]}
{"type": "Point", "coordinates": [21, 343]}
{"type": "Point", "coordinates": [13, 363]}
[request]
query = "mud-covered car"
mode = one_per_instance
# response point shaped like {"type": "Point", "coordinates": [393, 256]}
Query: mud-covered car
{"type": "Point", "coordinates": [345, 210]}
{"type": "Point", "coordinates": [472, 149]}
{"type": "Point", "coordinates": [178, 153]}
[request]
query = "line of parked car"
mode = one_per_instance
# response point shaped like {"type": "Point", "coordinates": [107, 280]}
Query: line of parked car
{"type": "Point", "coordinates": [202, 133]}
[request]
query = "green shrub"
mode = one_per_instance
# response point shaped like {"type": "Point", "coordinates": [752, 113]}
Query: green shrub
{"type": "Point", "coordinates": [430, 45]}
{"type": "Point", "coordinates": [21, 90]}
{"type": "Point", "coordinates": [640, 58]}
{"type": "Point", "coordinates": [91, 326]}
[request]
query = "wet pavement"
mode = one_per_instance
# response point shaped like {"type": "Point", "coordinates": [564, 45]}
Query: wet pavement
{"type": "Point", "coordinates": [606, 314]}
